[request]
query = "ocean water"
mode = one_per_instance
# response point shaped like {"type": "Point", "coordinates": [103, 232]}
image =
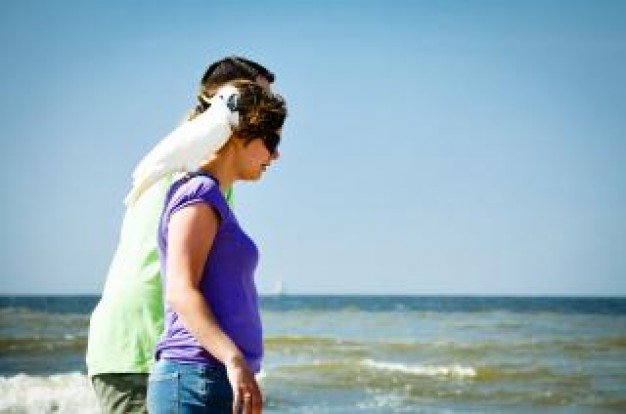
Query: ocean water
{"type": "Point", "coordinates": [343, 354]}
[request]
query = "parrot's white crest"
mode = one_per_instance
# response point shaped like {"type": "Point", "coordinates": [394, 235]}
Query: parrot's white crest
{"type": "Point", "coordinates": [193, 142]}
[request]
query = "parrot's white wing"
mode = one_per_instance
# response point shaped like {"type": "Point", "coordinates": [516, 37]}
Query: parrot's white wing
{"type": "Point", "coordinates": [193, 142]}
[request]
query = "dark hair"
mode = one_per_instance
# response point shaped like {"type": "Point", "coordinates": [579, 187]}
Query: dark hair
{"type": "Point", "coordinates": [261, 112]}
{"type": "Point", "coordinates": [234, 67]}
{"type": "Point", "coordinates": [225, 70]}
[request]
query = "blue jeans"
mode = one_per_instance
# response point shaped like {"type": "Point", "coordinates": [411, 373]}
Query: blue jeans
{"type": "Point", "coordinates": [187, 388]}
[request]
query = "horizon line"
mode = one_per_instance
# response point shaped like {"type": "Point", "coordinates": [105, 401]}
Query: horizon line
{"type": "Point", "coordinates": [356, 294]}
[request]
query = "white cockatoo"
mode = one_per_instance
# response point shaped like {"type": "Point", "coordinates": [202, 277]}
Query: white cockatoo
{"type": "Point", "coordinates": [193, 142]}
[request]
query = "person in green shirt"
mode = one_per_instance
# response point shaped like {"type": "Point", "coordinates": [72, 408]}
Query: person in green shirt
{"type": "Point", "coordinates": [128, 320]}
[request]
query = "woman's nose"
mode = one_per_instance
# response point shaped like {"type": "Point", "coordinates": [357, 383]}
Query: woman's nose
{"type": "Point", "coordinates": [276, 154]}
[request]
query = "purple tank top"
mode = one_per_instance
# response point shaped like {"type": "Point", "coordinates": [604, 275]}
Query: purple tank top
{"type": "Point", "coordinates": [227, 282]}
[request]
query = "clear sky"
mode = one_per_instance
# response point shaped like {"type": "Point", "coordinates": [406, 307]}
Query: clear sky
{"type": "Point", "coordinates": [452, 147]}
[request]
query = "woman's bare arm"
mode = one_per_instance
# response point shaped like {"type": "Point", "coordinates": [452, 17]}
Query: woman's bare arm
{"type": "Point", "coordinates": [190, 236]}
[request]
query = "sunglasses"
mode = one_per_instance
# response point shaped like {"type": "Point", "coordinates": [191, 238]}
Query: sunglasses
{"type": "Point", "coordinates": [271, 141]}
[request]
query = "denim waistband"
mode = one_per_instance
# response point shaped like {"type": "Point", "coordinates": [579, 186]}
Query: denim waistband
{"type": "Point", "coordinates": [165, 365]}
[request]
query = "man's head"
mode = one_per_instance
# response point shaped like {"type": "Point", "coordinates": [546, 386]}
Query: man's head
{"type": "Point", "coordinates": [226, 70]}
{"type": "Point", "coordinates": [232, 68]}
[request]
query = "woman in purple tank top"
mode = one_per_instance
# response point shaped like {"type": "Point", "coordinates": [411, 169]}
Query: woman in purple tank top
{"type": "Point", "coordinates": [212, 344]}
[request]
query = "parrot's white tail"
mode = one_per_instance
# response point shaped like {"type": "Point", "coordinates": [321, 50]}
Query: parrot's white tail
{"type": "Point", "coordinates": [136, 192]}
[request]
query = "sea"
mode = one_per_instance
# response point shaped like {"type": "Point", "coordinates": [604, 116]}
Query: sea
{"type": "Point", "coordinates": [364, 354]}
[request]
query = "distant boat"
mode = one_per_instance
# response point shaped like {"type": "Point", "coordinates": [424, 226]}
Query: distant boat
{"type": "Point", "coordinates": [279, 289]}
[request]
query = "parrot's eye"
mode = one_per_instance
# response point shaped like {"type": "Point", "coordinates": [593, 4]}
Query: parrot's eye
{"type": "Point", "coordinates": [233, 102]}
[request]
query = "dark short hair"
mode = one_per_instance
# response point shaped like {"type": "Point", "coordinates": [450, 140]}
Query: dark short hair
{"type": "Point", "coordinates": [226, 70]}
{"type": "Point", "coordinates": [231, 68]}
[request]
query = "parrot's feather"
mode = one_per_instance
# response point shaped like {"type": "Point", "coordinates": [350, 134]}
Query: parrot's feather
{"type": "Point", "coordinates": [185, 148]}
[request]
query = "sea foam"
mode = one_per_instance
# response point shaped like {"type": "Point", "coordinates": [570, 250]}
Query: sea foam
{"type": "Point", "coordinates": [60, 394]}
{"type": "Point", "coordinates": [455, 371]}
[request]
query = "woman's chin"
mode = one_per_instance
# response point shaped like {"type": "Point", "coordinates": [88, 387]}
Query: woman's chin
{"type": "Point", "coordinates": [253, 176]}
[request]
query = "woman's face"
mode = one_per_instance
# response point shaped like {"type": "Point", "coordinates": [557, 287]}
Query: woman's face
{"type": "Point", "coordinates": [254, 159]}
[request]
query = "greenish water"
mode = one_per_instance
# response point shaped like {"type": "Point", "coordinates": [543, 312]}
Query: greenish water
{"type": "Point", "coordinates": [367, 354]}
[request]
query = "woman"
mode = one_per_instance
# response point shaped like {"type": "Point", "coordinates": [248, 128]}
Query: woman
{"type": "Point", "coordinates": [212, 344]}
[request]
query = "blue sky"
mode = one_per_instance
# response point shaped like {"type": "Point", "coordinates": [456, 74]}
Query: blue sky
{"type": "Point", "coordinates": [453, 147]}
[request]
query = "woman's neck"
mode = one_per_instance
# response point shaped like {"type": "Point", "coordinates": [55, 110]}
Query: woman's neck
{"type": "Point", "coordinates": [221, 171]}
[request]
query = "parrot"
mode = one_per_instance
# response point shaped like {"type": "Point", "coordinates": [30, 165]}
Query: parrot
{"type": "Point", "coordinates": [185, 148]}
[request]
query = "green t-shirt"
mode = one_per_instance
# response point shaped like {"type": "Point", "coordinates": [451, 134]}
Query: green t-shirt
{"type": "Point", "coordinates": [128, 320]}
